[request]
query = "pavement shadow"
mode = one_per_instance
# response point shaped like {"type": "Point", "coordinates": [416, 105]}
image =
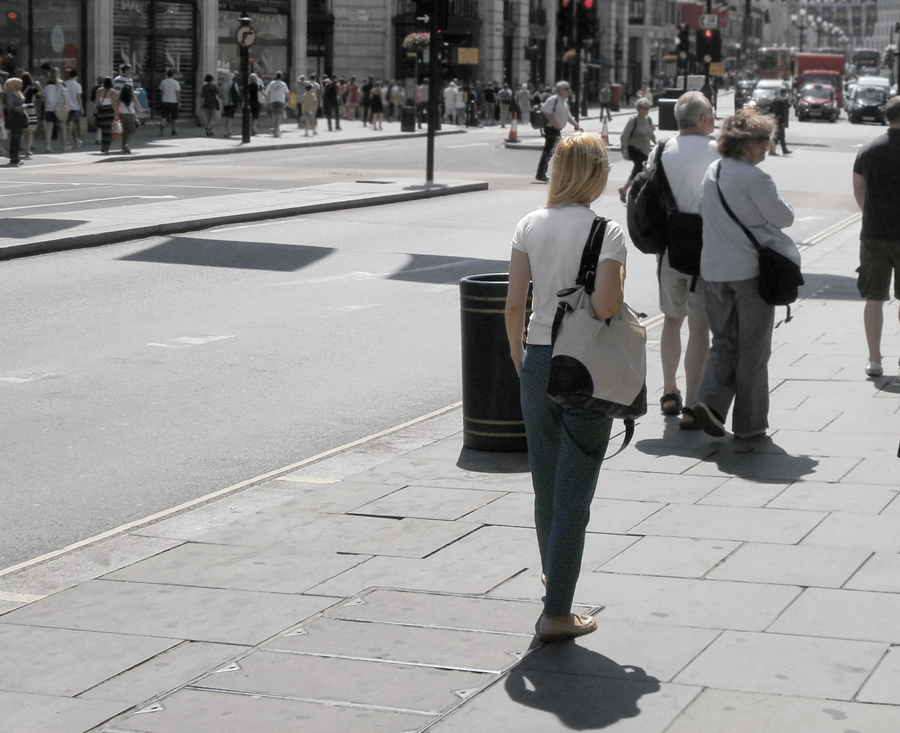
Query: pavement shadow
{"type": "Point", "coordinates": [583, 689]}
{"type": "Point", "coordinates": [439, 269]}
{"type": "Point", "coordinates": [24, 228]}
{"type": "Point", "coordinates": [492, 462]}
{"type": "Point", "coordinates": [238, 255]}
{"type": "Point", "coordinates": [829, 287]}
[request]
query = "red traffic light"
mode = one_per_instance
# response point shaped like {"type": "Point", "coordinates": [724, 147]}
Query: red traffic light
{"type": "Point", "coordinates": [589, 4]}
{"type": "Point", "coordinates": [12, 15]}
{"type": "Point", "coordinates": [707, 33]}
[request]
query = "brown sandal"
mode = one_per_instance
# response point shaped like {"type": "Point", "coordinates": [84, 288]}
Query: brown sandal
{"type": "Point", "coordinates": [671, 397]}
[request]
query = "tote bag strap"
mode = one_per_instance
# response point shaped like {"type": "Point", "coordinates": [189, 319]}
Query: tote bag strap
{"type": "Point", "coordinates": [587, 271]}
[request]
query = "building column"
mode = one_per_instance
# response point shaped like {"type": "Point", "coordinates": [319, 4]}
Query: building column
{"type": "Point", "coordinates": [550, 60]}
{"type": "Point", "coordinates": [100, 35]}
{"type": "Point", "coordinates": [208, 48]}
{"type": "Point", "coordinates": [520, 67]}
{"type": "Point", "coordinates": [299, 60]}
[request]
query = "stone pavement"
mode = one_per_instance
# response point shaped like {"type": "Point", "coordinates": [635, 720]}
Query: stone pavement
{"type": "Point", "coordinates": [393, 584]}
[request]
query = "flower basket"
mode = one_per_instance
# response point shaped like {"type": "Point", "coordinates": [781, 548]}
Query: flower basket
{"type": "Point", "coordinates": [417, 41]}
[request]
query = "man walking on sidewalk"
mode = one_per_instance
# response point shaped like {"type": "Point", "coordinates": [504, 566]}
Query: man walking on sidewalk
{"type": "Point", "coordinates": [876, 187]}
{"type": "Point", "coordinates": [685, 160]}
{"type": "Point", "coordinates": [556, 112]}
{"type": "Point", "coordinates": [605, 99]}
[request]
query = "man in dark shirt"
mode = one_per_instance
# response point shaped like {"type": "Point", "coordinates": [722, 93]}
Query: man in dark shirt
{"type": "Point", "coordinates": [876, 187]}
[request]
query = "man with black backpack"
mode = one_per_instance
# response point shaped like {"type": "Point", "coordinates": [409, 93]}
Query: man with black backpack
{"type": "Point", "coordinates": [555, 115]}
{"type": "Point", "coordinates": [680, 165]}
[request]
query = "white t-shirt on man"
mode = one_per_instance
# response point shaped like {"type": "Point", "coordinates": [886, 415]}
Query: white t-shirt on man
{"type": "Point", "coordinates": [168, 90]}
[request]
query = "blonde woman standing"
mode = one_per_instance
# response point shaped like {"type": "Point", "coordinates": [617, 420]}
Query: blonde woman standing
{"type": "Point", "coordinates": [565, 447]}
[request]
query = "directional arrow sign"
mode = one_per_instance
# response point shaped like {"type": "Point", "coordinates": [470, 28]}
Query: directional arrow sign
{"type": "Point", "coordinates": [709, 20]}
{"type": "Point", "coordinates": [423, 19]}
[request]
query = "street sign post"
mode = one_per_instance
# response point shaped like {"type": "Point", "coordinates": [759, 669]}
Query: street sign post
{"type": "Point", "coordinates": [709, 21]}
{"type": "Point", "coordinates": [246, 37]}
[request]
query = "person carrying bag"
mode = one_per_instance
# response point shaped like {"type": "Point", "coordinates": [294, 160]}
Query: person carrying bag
{"type": "Point", "coordinates": [566, 446]}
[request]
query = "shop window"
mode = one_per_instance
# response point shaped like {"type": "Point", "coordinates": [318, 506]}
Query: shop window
{"type": "Point", "coordinates": [270, 53]}
{"type": "Point", "coordinates": [57, 33]}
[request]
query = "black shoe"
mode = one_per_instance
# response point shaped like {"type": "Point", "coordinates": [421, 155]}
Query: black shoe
{"type": "Point", "coordinates": [542, 179]}
{"type": "Point", "coordinates": [173, 131]}
{"type": "Point", "coordinates": [709, 420]}
{"type": "Point", "coordinates": [786, 152]}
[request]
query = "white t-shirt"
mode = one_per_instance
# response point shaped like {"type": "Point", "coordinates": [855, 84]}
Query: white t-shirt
{"type": "Point", "coordinates": [277, 91]}
{"type": "Point", "coordinates": [73, 94]}
{"type": "Point", "coordinates": [168, 90]}
{"type": "Point", "coordinates": [553, 239]}
{"type": "Point", "coordinates": [685, 161]}
{"type": "Point", "coordinates": [51, 96]}
{"type": "Point", "coordinates": [558, 109]}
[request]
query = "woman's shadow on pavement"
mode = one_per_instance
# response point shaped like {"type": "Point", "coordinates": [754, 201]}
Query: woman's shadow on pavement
{"type": "Point", "coordinates": [583, 689]}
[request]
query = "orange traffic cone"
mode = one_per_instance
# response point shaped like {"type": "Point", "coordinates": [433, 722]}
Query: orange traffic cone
{"type": "Point", "coordinates": [604, 132]}
{"type": "Point", "coordinates": [513, 133]}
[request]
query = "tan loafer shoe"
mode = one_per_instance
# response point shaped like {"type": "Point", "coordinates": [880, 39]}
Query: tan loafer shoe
{"type": "Point", "coordinates": [576, 625]}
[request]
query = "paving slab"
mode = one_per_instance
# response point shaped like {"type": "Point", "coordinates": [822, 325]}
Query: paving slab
{"type": "Point", "coordinates": [884, 684]}
{"type": "Point", "coordinates": [540, 702]}
{"type": "Point", "coordinates": [446, 648]}
{"type": "Point", "coordinates": [676, 557]}
{"type": "Point", "coordinates": [225, 712]}
{"type": "Point", "coordinates": [429, 503]}
{"type": "Point", "coordinates": [171, 612]}
{"type": "Point", "coordinates": [340, 533]}
{"type": "Point", "coordinates": [731, 523]}
{"type": "Point", "coordinates": [842, 497]}
{"type": "Point", "coordinates": [865, 531]}
{"type": "Point", "coordinates": [279, 569]}
{"type": "Point", "coordinates": [843, 614]}
{"type": "Point", "coordinates": [881, 572]}
{"type": "Point", "coordinates": [336, 498]}
{"type": "Point", "coordinates": [775, 467]}
{"type": "Point", "coordinates": [426, 690]}
{"type": "Point", "coordinates": [440, 611]}
{"type": "Point", "coordinates": [659, 651]}
{"type": "Point", "coordinates": [823, 567]}
{"type": "Point", "coordinates": [167, 671]}
{"type": "Point", "coordinates": [710, 604]}
{"type": "Point", "coordinates": [739, 712]}
{"type": "Point", "coordinates": [877, 470]}
{"type": "Point", "coordinates": [739, 492]}
{"type": "Point", "coordinates": [615, 516]}
{"type": "Point", "coordinates": [436, 573]}
{"type": "Point", "coordinates": [781, 664]}
{"type": "Point", "coordinates": [47, 714]}
{"type": "Point", "coordinates": [437, 473]}
{"type": "Point", "coordinates": [673, 489]}
{"type": "Point", "coordinates": [65, 663]}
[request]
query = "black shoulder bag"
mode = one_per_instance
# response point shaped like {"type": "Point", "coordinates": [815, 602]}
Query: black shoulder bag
{"type": "Point", "coordinates": [779, 276]}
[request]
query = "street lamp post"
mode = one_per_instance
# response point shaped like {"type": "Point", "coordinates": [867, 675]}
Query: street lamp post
{"type": "Point", "coordinates": [245, 39]}
{"type": "Point", "coordinates": [801, 24]}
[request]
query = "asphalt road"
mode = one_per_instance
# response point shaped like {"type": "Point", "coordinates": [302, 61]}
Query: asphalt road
{"type": "Point", "coordinates": [152, 380]}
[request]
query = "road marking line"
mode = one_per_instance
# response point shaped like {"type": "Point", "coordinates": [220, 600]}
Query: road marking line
{"type": "Point", "coordinates": [182, 342]}
{"type": "Point", "coordinates": [469, 145]}
{"type": "Point", "coordinates": [84, 201]}
{"type": "Point", "coordinates": [222, 492]}
{"type": "Point", "coordinates": [19, 597]}
{"type": "Point", "coordinates": [28, 378]}
{"type": "Point", "coordinates": [307, 480]}
{"type": "Point", "coordinates": [833, 229]}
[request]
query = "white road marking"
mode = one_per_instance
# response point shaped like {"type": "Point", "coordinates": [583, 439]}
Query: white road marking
{"type": "Point", "coordinates": [85, 201]}
{"type": "Point", "coordinates": [22, 378]}
{"type": "Point", "coordinates": [307, 480]}
{"type": "Point", "coordinates": [358, 307]}
{"type": "Point", "coordinates": [19, 597]}
{"type": "Point", "coordinates": [470, 145]}
{"type": "Point", "coordinates": [183, 342]}
{"type": "Point", "coordinates": [808, 218]}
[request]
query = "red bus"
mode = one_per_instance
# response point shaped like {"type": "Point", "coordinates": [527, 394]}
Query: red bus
{"type": "Point", "coordinates": [773, 63]}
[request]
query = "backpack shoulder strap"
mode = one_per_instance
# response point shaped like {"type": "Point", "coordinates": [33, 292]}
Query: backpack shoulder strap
{"type": "Point", "coordinates": [730, 213]}
{"type": "Point", "coordinates": [587, 271]}
{"type": "Point", "coordinates": [663, 178]}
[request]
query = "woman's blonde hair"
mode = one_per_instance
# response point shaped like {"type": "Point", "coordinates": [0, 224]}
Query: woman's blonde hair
{"type": "Point", "coordinates": [740, 129]}
{"type": "Point", "coordinates": [580, 170]}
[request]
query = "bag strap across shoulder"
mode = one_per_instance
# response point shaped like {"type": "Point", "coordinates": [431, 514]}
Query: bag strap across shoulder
{"type": "Point", "coordinates": [587, 271]}
{"type": "Point", "coordinates": [663, 178]}
{"type": "Point", "coordinates": [730, 213]}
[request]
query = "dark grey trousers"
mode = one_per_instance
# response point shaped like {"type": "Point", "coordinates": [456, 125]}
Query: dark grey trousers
{"type": "Point", "coordinates": [738, 365]}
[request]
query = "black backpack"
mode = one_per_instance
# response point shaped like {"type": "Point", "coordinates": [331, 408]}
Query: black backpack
{"type": "Point", "coordinates": [650, 203]}
{"type": "Point", "coordinates": [655, 223]}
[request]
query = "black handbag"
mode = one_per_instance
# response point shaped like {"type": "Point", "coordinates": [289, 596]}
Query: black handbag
{"type": "Point", "coordinates": [779, 276]}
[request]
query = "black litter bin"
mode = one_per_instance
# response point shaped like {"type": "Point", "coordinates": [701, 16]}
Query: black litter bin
{"type": "Point", "coordinates": [407, 119]}
{"type": "Point", "coordinates": [492, 416]}
{"type": "Point", "coordinates": [667, 114]}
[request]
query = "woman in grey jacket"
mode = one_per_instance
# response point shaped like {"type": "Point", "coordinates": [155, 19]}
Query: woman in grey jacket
{"type": "Point", "coordinates": [740, 320]}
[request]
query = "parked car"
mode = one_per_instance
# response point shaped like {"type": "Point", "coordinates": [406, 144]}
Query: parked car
{"type": "Point", "coordinates": [817, 101]}
{"type": "Point", "coordinates": [743, 90]}
{"type": "Point", "coordinates": [868, 105]}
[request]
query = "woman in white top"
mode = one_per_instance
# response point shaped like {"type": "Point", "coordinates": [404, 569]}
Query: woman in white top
{"type": "Point", "coordinates": [565, 447]}
{"type": "Point", "coordinates": [52, 92]}
{"type": "Point", "coordinates": [740, 320]}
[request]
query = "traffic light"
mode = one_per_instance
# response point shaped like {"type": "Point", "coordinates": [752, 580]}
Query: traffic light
{"type": "Point", "coordinates": [705, 45]}
{"type": "Point", "coordinates": [684, 38]}
{"type": "Point", "coordinates": [587, 20]}
{"type": "Point", "coordinates": [716, 46]}
{"type": "Point", "coordinates": [564, 18]}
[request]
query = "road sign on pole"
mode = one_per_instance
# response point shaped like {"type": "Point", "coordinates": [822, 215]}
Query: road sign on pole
{"type": "Point", "coordinates": [709, 20]}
